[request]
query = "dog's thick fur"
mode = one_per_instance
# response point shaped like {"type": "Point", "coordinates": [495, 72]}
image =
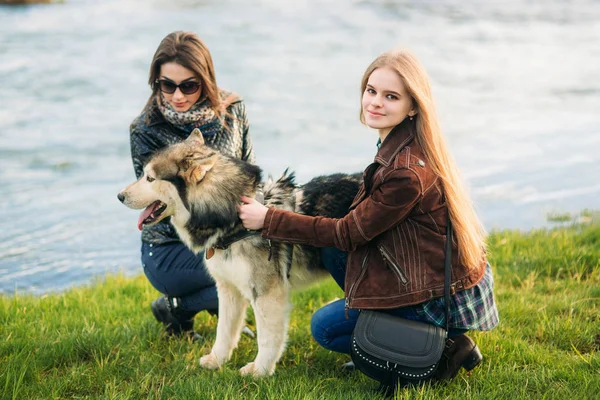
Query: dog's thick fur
{"type": "Point", "coordinates": [200, 189]}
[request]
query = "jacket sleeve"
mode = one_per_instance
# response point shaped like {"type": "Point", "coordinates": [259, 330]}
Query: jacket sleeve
{"type": "Point", "coordinates": [388, 205]}
{"type": "Point", "coordinates": [142, 146]}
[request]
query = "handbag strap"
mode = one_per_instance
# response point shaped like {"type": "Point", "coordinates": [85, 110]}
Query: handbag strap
{"type": "Point", "coordinates": [448, 272]}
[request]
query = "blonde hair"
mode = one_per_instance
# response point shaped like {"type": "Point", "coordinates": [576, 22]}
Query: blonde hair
{"type": "Point", "coordinates": [469, 232]}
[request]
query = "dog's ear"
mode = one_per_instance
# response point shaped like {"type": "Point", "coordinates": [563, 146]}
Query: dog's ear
{"type": "Point", "coordinates": [194, 167]}
{"type": "Point", "coordinates": [195, 138]}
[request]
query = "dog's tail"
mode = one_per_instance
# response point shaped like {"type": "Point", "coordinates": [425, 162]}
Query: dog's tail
{"type": "Point", "coordinates": [279, 193]}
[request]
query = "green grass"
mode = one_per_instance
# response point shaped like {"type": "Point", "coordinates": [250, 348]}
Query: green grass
{"type": "Point", "coordinates": [102, 341]}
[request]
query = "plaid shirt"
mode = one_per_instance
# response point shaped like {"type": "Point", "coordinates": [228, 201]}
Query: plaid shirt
{"type": "Point", "coordinates": [471, 309]}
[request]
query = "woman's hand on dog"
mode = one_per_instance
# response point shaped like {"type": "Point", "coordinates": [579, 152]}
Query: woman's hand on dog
{"type": "Point", "coordinates": [252, 213]}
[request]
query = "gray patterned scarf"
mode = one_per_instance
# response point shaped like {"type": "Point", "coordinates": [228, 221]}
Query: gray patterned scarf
{"type": "Point", "coordinates": [201, 115]}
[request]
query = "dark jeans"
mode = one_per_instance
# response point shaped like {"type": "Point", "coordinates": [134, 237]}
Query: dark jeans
{"type": "Point", "coordinates": [177, 272]}
{"type": "Point", "coordinates": [329, 325]}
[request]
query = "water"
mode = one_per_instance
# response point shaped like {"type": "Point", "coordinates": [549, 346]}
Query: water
{"type": "Point", "coordinates": [517, 87]}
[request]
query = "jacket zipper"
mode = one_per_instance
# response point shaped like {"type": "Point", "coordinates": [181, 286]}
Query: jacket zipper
{"type": "Point", "coordinates": [390, 261]}
{"type": "Point", "coordinates": [362, 270]}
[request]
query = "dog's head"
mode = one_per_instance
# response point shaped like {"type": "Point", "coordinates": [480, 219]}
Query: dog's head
{"type": "Point", "coordinates": [162, 190]}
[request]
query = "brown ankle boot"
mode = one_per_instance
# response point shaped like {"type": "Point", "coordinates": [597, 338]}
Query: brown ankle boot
{"type": "Point", "coordinates": [460, 351]}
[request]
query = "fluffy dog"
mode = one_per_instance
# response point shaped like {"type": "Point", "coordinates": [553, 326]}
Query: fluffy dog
{"type": "Point", "coordinates": [200, 189]}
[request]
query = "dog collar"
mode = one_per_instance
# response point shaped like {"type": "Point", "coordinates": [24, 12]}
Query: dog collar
{"type": "Point", "coordinates": [224, 242]}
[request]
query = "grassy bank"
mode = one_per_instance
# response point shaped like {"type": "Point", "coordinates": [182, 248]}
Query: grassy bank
{"type": "Point", "coordinates": [102, 341]}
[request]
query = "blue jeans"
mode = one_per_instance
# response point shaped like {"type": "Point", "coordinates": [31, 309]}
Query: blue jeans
{"type": "Point", "coordinates": [177, 272]}
{"type": "Point", "coordinates": [329, 325]}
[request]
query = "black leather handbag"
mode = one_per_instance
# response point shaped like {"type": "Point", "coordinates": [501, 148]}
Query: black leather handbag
{"type": "Point", "coordinates": [395, 350]}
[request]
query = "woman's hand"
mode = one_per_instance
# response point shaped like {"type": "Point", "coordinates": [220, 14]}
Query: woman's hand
{"type": "Point", "coordinates": [252, 213]}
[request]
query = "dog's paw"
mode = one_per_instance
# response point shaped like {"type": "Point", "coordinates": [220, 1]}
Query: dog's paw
{"type": "Point", "coordinates": [252, 370]}
{"type": "Point", "coordinates": [209, 361]}
{"type": "Point", "coordinates": [248, 369]}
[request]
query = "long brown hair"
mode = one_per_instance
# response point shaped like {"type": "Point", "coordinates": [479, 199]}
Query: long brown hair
{"type": "Point", "coordinates": [189, 51]}
{"type": "Point", "coordinates": [470, 234]}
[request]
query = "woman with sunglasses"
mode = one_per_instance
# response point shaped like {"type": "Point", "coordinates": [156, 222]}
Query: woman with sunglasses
{"type": "Point", "coordinates": [184, 96]}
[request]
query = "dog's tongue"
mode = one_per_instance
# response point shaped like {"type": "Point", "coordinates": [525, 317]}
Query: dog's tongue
{"type": "Point", "coordinates": [146, 213]}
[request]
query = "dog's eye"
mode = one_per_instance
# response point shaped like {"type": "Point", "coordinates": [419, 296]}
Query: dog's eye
{"type": "Point", "coordinates": [150, 179]}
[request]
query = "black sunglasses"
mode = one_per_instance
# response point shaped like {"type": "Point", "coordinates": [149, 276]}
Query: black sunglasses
{"type": "Point", "coordinates": [188, 87]}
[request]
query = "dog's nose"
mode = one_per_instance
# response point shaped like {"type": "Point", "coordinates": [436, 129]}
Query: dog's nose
{"type": "Point", "coordinates": [121, 197]}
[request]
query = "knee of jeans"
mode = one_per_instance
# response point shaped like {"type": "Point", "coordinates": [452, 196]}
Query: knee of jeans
{"type": "Point", "coordinates": [318, 330]}
{"type": "Point", "coordinates": [326, 252]}
{"type": "Point", "coordinates": [333, 255]}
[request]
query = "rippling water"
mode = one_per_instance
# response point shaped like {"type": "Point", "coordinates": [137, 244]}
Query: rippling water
{"type": "Point", "coordinates": [517, 86]}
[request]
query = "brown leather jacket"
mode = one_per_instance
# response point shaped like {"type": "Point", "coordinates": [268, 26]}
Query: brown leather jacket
{"type": "Point", "coordinates": [395, 231]}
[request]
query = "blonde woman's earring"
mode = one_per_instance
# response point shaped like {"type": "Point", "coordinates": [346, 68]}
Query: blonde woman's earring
{"type": "Point", "coordinates": [410, 117]}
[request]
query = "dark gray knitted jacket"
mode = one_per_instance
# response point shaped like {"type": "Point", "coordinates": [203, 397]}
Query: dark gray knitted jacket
{"type": "Point", "coordinates": [150, 132]}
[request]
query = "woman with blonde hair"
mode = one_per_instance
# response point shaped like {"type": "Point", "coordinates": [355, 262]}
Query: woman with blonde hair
{"type": "Point", "coordinates": [184, 96]}
{"type": "Point", "coordinates": [387, 253]}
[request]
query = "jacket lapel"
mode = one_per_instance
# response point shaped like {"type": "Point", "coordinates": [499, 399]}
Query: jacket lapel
{"type": "Point", "coordinates": [401, 135]}
{"type": "Point", "coordinates": [365, 187]}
